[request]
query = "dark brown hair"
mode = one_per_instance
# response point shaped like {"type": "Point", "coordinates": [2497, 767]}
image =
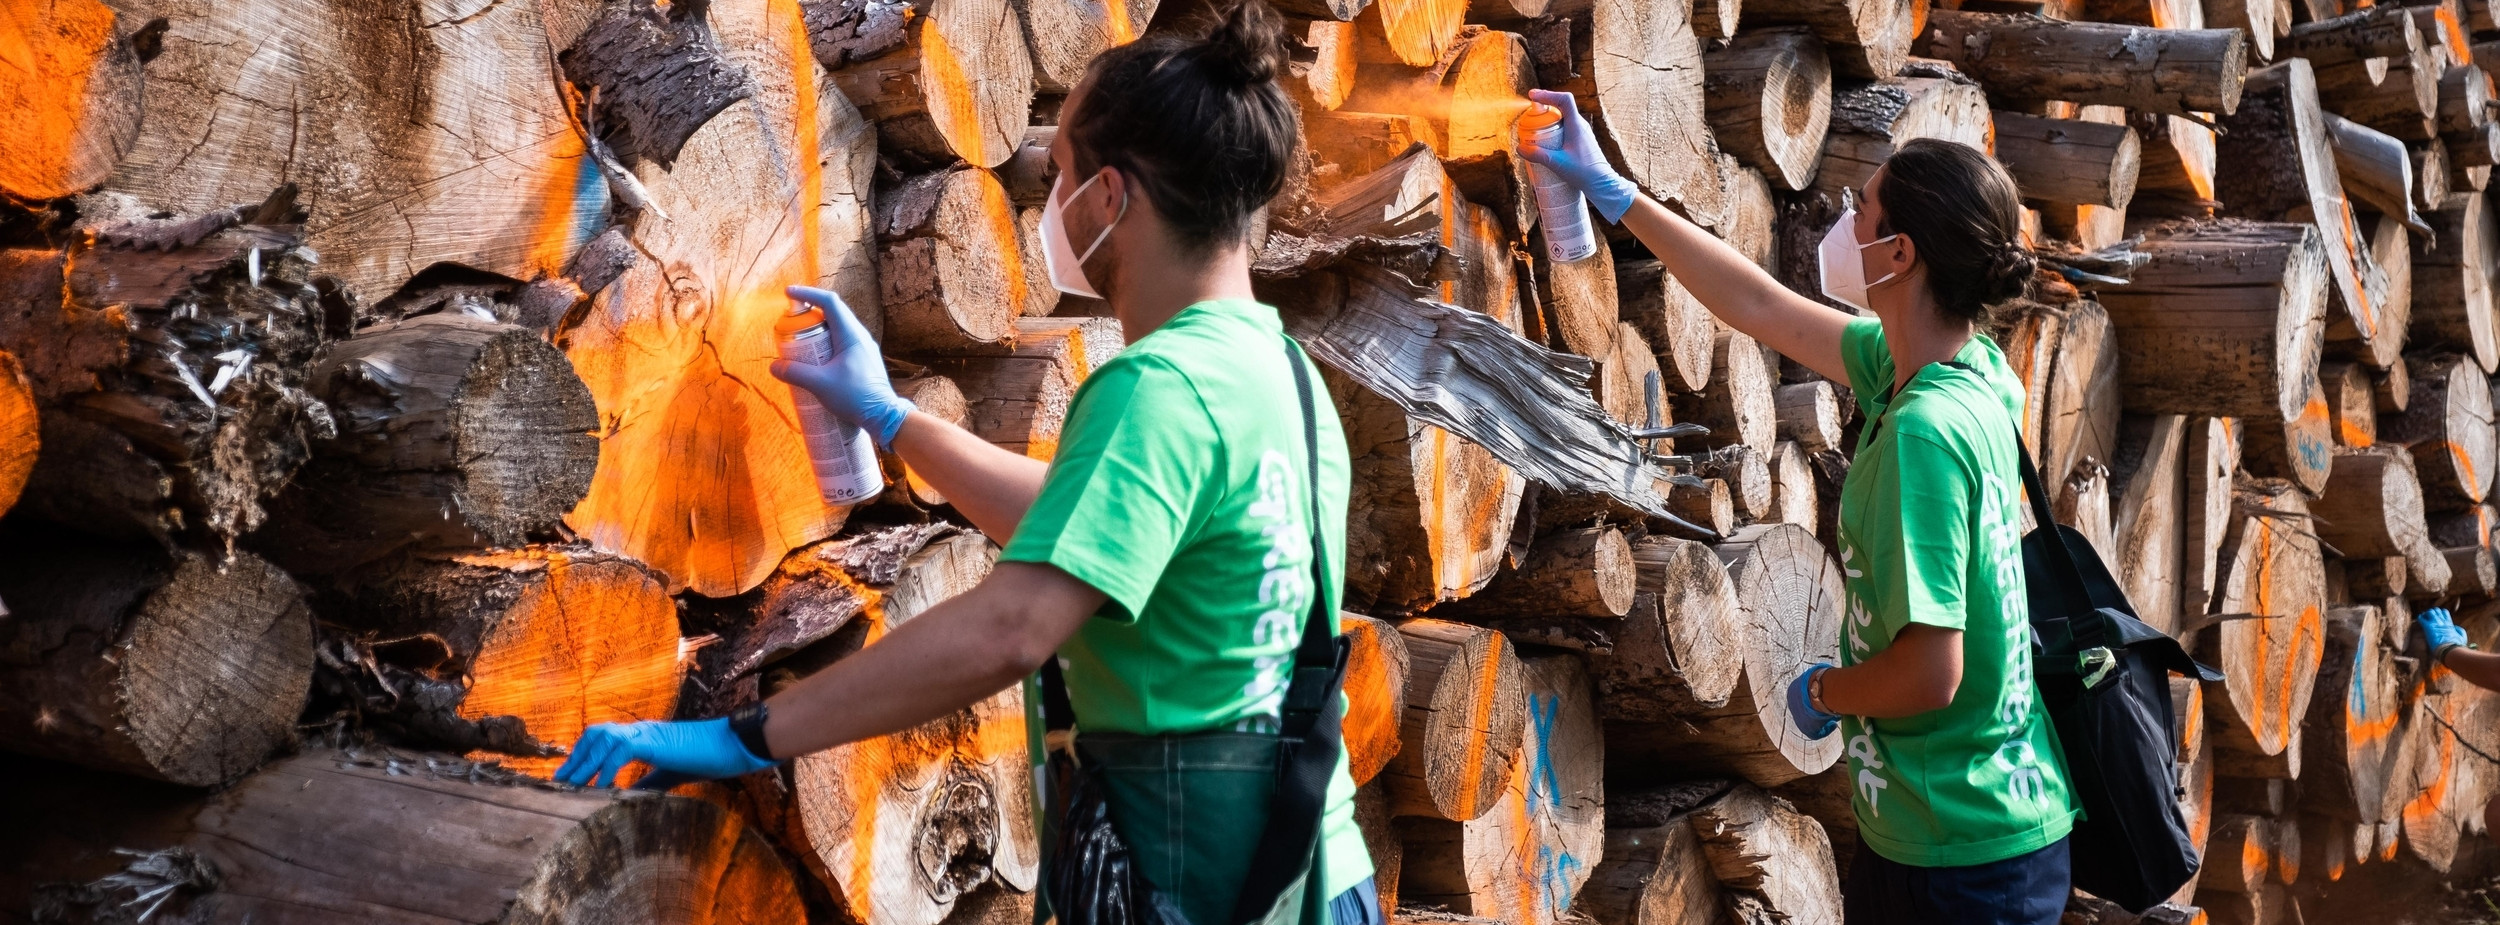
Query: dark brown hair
{"type": "Point", "coordinates": [1198, 123]}
{"type": "Point", "coordinates": [1963, 212]}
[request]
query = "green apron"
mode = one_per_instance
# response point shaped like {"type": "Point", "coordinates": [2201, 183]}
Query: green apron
{"type": "Point", "coordinates": [1191, 808]}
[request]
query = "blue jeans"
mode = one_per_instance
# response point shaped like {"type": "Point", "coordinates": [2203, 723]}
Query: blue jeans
{"type": "Point", "coordinates": [2026, 889]}
{"type": "Point", "coordinates": [1358, 905]}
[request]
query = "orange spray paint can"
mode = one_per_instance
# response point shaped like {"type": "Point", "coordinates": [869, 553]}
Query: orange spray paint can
{"type": "Point", "coordinates": [844, 457]}
{"type": "Point", "coordinates": [1561, 207]}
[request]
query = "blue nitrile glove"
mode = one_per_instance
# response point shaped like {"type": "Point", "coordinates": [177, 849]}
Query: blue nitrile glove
{"type": "Point", "coordinates": [854, 386]}
{"type": "Point", "coordinates": [1580, 161]}
{"type": "Point", "coordinates": [2439, 631]}
{"type": "Point", "coordinates": [1814, 723]}
{"type": "Point", "coordinates": [703, 749]}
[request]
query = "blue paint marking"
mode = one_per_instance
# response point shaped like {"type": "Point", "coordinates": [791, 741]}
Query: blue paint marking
{"type": "Point", "coordinates": [590, 203]}
{"type": "Point", "coordinates": [1542, 710]}
{"type": "Point", "coordinates": [2316, 454]}
{"type": "Point", "coordinates": [1554, 868]}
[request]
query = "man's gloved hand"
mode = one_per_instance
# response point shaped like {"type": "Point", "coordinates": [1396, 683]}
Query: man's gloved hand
{"type": "Point", "coordinates": [2439, 631]}
{"type": "Point", "coordinates": [854, 386]}
{"type": "Point", "coordinates": [1814, 723]}
{"type": "Point", "coordinates": [1580, 161]}
{"type": "Point", "coordinates": [703, 749]}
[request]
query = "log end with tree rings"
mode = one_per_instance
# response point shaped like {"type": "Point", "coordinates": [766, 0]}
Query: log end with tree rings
{"type": "Point", "coordinates": [2448, 425]}
{"type": "Point", "coordinates": [1375, 694]}
{"type": "Point", "coordinates": [1769, 96]}
{"type": "Point", "coordinates": [1670, 320]}
{"type": "Point", "coordinates": [2452, 273]}
{"type": "Point", "coordinates": [1066, 35]}
{"type": "Point", "coordinates": [951, 270]}
{"type": "Point", "coordinates": [1466, 720]}
{"type": "Point", "coordinates": [67, 142]}
{"type": "Point", "coordinates": [2270, 625]}
{"type": "Point", "coordinates": [453, 431]}
{"type": "Point", "coordinates": [1629, 384]}
{"type": "Point", "coordinates": [1645, 75]}
{"type": "Point", "coordinates": [1523, 860]}
{"type": "Point", "coordinates": [1672, 654]}
{"type": "Point", "coordinates": [1776, 860]}
{"type": "Point", "coordinates": [959, 87]}
{"type": "Point", "coordinates": [1653, 868]}
{"type": "Point", "coordinates": [509, 622]}
{"type": "Point", "coordinates": [2353, 721]}
{"type": "Point", "coordinates": [179, 668]}
{"type": "Point", "coordinates": [1415, 33]}
{"type": "Point", "coordinates": [2191, 70]}
{"type": "Point", "coordinates": [1741, 409]}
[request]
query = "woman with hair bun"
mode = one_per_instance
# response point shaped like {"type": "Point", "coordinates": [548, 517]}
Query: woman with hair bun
{"type": "Point", "coordinates": [1172, 554]}
{"type": "Point", "coordinates": [1959, 786]}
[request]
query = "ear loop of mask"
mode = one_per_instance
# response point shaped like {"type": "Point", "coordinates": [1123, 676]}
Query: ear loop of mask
{"type": "Point", "coordinates": [1106, 229]}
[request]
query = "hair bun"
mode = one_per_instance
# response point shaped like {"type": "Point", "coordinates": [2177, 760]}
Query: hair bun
{"type": "Point", "coordinates": [2009, 274]}
{"type": "Point", "coordinates": [1247, 46]}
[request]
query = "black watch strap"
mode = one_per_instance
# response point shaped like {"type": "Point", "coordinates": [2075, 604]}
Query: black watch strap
{"type": "Point", "coordinates": [748, 724]}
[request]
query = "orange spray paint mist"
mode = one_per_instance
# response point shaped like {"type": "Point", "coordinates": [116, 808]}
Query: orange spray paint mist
{"type": "Point", "coordinates": [1561, 208]}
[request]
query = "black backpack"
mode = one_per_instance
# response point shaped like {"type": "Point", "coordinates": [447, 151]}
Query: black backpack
{"type": "Point", "coordinates": [2105, 677]}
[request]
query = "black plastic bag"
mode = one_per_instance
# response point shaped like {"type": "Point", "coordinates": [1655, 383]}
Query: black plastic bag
{"type": "Point", "coordinates": [1092, 881]}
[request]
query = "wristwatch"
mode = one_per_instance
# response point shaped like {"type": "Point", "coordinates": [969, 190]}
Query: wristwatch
{"type": "Point", "coordinates": [1814, 693]}
{"type": "Point", "coordinates": [748, 724]}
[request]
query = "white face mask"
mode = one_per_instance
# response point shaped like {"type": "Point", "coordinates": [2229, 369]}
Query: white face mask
{"type": "Point", "coordinates": [1843, 271]}
{"type": "Point", "coordinates": [1067, 268]}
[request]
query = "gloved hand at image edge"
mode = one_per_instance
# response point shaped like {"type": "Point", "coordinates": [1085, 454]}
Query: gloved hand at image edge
{"type": "Point", "coordinates": [854, 386]}
{"type": "Point", "coordinates": [1814, 723]}
{"type": "Point", "coordinates": [2440, 632]}
{"type": "Point", "coordinates": [1580, 161]}
{"type": "Point", "coordinates": [694, 750]}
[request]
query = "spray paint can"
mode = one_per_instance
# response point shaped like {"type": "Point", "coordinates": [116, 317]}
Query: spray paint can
{"type": "Point", "coordinates": [844, 457]}
{"type": "Point", "coordinates": [1561, 207]}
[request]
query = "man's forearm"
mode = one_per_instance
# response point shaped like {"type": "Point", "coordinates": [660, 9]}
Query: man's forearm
{"type": "Point", "coordinates": [989, 484]}
{"type": "Point", "coordinates": [1916, 674]}
{"type": "Point", "coordinates": [2481, 669]}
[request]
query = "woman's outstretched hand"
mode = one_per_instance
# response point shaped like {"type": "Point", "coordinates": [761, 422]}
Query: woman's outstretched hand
{"type": "Point", "coordinates": [1580, 161]}
{"type": "Point", "coordinates": [854, 386]}
{"type": "Point", "coordinates": [694, 750]}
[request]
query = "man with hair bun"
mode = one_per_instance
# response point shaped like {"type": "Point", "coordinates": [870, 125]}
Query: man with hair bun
{"type": "Point", "coordinates": [1958, 784]}
{"type": "Point", "coordinates": [1171, 555]}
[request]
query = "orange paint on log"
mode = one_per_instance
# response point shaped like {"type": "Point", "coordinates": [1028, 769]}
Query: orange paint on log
{"type": "Point", "coordinates": [2253, 855]}
{"type": "Point", "coordinates": [1001, 216]}
{"type": "Point", "coordinates": [52, 48]}
{"type": "Point", "coordinates": [2465, 463]}
{"type": "Point", "coordinates": [1371, 717]}
{"type": "Point", "coordinates": [2364, 315]}
{"type": "Point", "coordinates": [952, 106]}
{"type": "Point", "coordinates": [1116, 22]}
{"type": "Point", "coordinates": [575, 650]}
{"type": "Point", "coordinates": [1436, 516]}
{"type": "Point", "coordinates": [2309, 632]}
{"type": "Point", "coordinates": [2354, 436]}
{"type": "Point", "coordinates": [797, 49]}
{"type": "Point", "coordinates": [570, 204]}
{"type": "Point", "coordinates": [1481, 713]}
{"type": "Point", "coordinates": [2452, 34]}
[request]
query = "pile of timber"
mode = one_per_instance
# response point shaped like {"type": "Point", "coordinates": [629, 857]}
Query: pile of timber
{"type": "Point", "coordinates": [384, 399]}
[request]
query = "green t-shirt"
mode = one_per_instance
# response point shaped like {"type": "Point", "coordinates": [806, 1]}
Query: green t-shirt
{"type": "Point", "coordinates": [1931, 532]}
{"type": "Point", "coordinates": [1177, 490]}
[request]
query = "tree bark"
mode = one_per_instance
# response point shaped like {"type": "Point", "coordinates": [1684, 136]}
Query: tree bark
{"type": "Point", "coordinates": [1524, 861]}
{"type": "Point", "coordinates": [1868, 123]}
{"type": "Point", "coordinates": [2225, 318]}
{"type": "Point", "coordinates": [453, 432]}
{"type": "Point", "coordinates": [2069, 161]}
{"type": "Point", "coordinates": [508, 621]}
{"type": "Point", "coordinates": [178, 668]}
{"type": "Point", "coordinates": [1672, 654]}
{"type": "Point", "coordinates": [2279, 134]}
{"type": "Point", "coordinates": [1742, 409]}
{"type": "Point", "coordinates": [2452, 271]}
{"type": "Point", "coordinates": [76, 102]}
{"type": "Point", "coordinates": [1466, 721]}
{"type": "Point", "coordinates": [2175, 71]}
{"type": "Point", "coordinates": [2448, 426]}
{"type": "Point", "coordinates": [2269, 658]}
{"type": "Point", "coordinates": [1790, 601]}
{"type": "Point", "coordinates": [657, 75]}
{"type": "Point", "coordinates": [1773, 860]}
{"type": "Point", "coordinates": [1375, 694]}
{"type": "Point", "coordinates": [959, 86]}
{"type": "Point", "coordinates": [1674, 323]}
{"type": "Point", "coordinates": [1577, 573]}
{"type": "Point", "coordinates": [1769, 96]}
{"type": "Point", "coordinates": [2375, 167]}
{"type": "Point", "coordinates": [2404, 102]}
{"type": "Point", "coordinates": [1017, 392]}
{"type": "Point", "coordinates": [1869, 39]}
{"type": "Point", "coordinates": [398, 838]}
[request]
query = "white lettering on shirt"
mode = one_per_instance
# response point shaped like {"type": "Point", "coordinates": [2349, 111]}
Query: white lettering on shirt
{"type": "Point", "coordinates": [1286, 590]}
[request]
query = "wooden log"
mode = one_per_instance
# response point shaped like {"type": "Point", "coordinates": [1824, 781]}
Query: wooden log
{"type": "Point", "coordinates": [1670, 320]}
{"type": "Point", "coordinates": [1789, 595]}
{"type": "Point", "coordinates": [2069, 161]}
{"type": "Point", "coordinates": [2213, 455]}
{"type": "Point", "coordinates": [1375, 694]}
{"type": "Point", "coordinates": [959, 86]}
{"type": "Point", "coordinates": [2448, 427]}
{"type": "Point", "coordinates": [179, 668]}
{"type": "Point", "coordinates": [2392, 390]}
{"type": "Point", "coordinates": [1433, 513]}
{"type": "Point", "coordinates": [2175, 71]}
{"type": "Point", "coordinates": [658, 75]}
{"type": "Point", "coordinates": [21, 439]}
{"type": "Point", "coordinates": [1629, 384]}
{"type": "Point", "coordinates": [2363, 40]}
{"type": "Point", "coordinates": [2331, 848]}
{"type": "Point", "coordinates": [2452, 271]}
{"type": "Point", "coordinates": [2372, 508]}
{"type": "Point", "coordinates": [2147, 478]}
{"type": "Point", "coordinates": [2474, 149]}
{"type": "Point", "coordinates": [1867, 40]}
{"type": "Point", "coordinates": [1751, 213]}
{"type": "Point", "coordinates": [1322, 63]}
{"type": "Point", "coordinates": [1774, 862]}
{"type": "Point", "coordinates": [2265, 21]}
{"type": "Point", "coordinates": [2240, 856]}
{"type": "Point", "coordinates": [2178, 165]}
{"type": "Point", "coordinates": [2266, 905]}
{"type": "Point", "coordinates": [2351, 736]}
{"type": "Point", "coordinates": [949, 263]}
{"type": "Point", "coordinates": [2403, 103]}
{"type": "Point", "coordinates": [1063, 36]}
{"type": "Point", "coordinates": [77, 99]}
{"type": "Point", "coordinates": [1581, 307]}
{"type": "Point", "coordinates": [1642, 89]}
{"type": "Point", "coordinates": [1525, 860]}
{"type": "Point", "coordinates": [2431, 174]}
{"type": "Point", "coordinates": [1795, 499]}
{"type": "Point", "coordinates": [1017, 391]}
{"type": "Point", "coordinates": [2472, 578]}
{"type": "Point", "coordinates": [676, 349]}
{"type": "Point", "coordinates": [1769, 94]}
{"type": "Point", "coordinates": [1577, 573]}
{"type": "Point", "coordinates": [1809, 413]}
{"type": "Point", "coordinates": [1413, 33]}
{"type": "Point", "coordinates": [2391, 249]}
{"type": "Point", "coordinates": [1711, 506]}
{"type": "Point", "coordinates": [1466, 721]}
{"type": "Point", "coordinates": [1672, 653]}
{"type": "Point", "coordinates": [506, 621]}
{"type": "Point", "coordinates": [1869, 122]}
{"type": "Point", "coordinates": [938, 397]}
{"type": "Point", "coordinates": [2269, 658]}
{"type": "Point", "coordinates": [1748, 477]}
{"type": "Point", "coordinates": [391, 837]}
{"type": "Point", "coordinates": [2301, 450]}
{"type": "Point", "coordinates": [2464, 106]}
{"type": "Point", "coordinates": [1654, 869]}
{"type": "Point", "coordinates": [2375, 168]}
{"type": "Point", "coordinates": [1741, 409]}
{"type": "Point", "coordinates": [2470, 527]}
{"type": "Point", "coordinates": [453, 432]}
{"type": "Point", "coordinates": [902, 827]}
{"type": "Point", "coordinates": [2249, 347]}
{"type": "Point", "coordinates": [2078, 404]}
{"type": "Point", "coordinates": [2350, 403]}
{"type": "Point", "coordinates": [2283, 127]}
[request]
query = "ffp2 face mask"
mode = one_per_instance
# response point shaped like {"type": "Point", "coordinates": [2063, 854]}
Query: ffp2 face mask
{"type": "Point", "coordinates": [1837, 260]}
{"type": "Point", "coordinates": [1066, 267]}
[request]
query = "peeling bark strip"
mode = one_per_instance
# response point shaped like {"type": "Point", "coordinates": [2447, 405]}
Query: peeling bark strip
{"type": "Point", "coordinates": [398, 839]}
{"type": "Point", "coordinates": [847, 31]}
{"type": "Point", "coordinates": [657, 75]}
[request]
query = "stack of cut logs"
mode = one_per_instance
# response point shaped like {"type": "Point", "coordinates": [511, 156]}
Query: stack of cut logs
{"type": "Point", "coordinates": [385, 399]}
